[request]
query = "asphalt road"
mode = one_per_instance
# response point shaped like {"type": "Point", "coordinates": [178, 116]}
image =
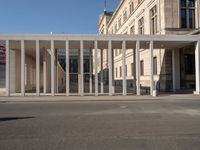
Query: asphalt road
{"type": "Point", "coordinates": [145, 125]}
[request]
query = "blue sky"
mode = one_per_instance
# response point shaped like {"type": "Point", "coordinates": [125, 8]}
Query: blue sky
{"type": "Point", "coordinates": [57, 16]}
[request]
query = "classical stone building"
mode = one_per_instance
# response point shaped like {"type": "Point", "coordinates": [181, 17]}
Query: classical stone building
{"type": "Point", "coordinates": [154, 17]}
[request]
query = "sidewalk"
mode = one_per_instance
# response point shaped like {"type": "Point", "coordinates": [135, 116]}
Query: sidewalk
{"type": "Point", "coordinates": [98, 98]}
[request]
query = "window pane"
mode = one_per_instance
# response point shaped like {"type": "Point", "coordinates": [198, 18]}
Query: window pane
{"type": "Point", "coordinates": [141, 26]}
{"type": "Point", "coordinates": [155, 65]}
{"type": "Point", "coordinates": [120, 71]}
{"type": "Point", "coordinates": [183, 3]}
{"type": "Point", "coordinates": [191, 18]}
{"type": "Point", "coordinates": [132, 30]}
{"type": "Point", "coordinates": [191, 3]}
{"type": "Point", "coordinates": [142, 67]}
{"type": "Point", "coordinates": [132, 69]}
{"type": "Point", "coordinates": [183, 18]}
{"type": "Point", "coordinates": [153, 13]}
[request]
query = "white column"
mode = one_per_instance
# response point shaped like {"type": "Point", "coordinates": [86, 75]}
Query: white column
{"type": "Point", "coordinates": [151, 67]}
{"type": "Point", "coordinates": [101, 51]}
{"type": "Point", "coordinates": [52, 68]}
{"type": "Point", "coordinates": [197, 67]}
{"type": "Point", "coordinates": [22, 68]}
{"type": "Point", "coordinates": [176, 69]}
{"type": "Point", "coordinates": [124, 67]}
{"type": "Point", "coordinates": [113, 78]}
{"type": "Point", "coordinates": [56, 70]}
{"type": "Point", "coordinates": [79, 72]}
{"type": "Point", "coordinates": [134, 71]}
{"type": "Point", "coordinates": [45, 72]}
{"type": "Point", "coordinates": [110, 67]}
{"type": "Point", "coordinates": [96, 68]}
{"type": "Point", "coordinates": [90, 69]}
{"type": "Point", "coordinates": [81, 69]}
{"type": "Point", "coordinates": [37, 68]}
{"type": "Point", "coordinates": [7, 68]}
{"type": "Point", "coordinates": [138, 67]}
{"type": "Point", "coordinates": [67, 67]}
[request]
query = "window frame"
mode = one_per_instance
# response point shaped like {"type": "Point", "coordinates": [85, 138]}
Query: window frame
{"type": "Point", "coordinates": [141, 26]}
{"type": "Point", "coordinates": [154, 20]}
{"type": "Point", "coordinates": [187, 9]}
{"type": "Point", "coordinates": [142, 67]}
{"type": "Point", "coordinates": [132, 29]}
{"type": "Point", "coordinates": [125, 15]}
{"type": "Point", "coordinates": [131, 7]}
{"type": "Point", "coordinates": [155, 65]}
{"type": "Point", "coordinates": [120, 69]}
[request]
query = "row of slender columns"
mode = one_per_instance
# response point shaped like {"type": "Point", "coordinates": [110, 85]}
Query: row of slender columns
{"type": "Point", "coordinates": [110, 67]}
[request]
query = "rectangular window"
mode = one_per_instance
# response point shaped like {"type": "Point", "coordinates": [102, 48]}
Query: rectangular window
{"type": "Point", "coordinates": [115, 27]}
{"type": "Point", "coordinates": [191, 18]}
{"type": "Point", "coordinates": [131, 7]}
{"type": "Point", "coordinates": [142, 67]}
{"type": "Point", "coordinates": [120, 22]}
{"type": "Point", "coordinates": [153, 20]}
{"type": "Point", "coordinates": [125, 15]}
{"type": "Point", "coordinates": [141, 25]}
{"type": "Point", "coordinates": [126, 71]}
{"type": "Point", "coordinates": [187, 12]}
{"type": "Point", "coordinates": [132, 69]}
{"type": "Point", "coordinates": [155, 66]}
{"type": "Point", "coordinates": [183, 18]}
{"type": "Point", "coordinates": [132, 30]}
{"type": "Point", "coordinates": [116, 75]}
{"type": "Point", "coordinates": [120, 71]}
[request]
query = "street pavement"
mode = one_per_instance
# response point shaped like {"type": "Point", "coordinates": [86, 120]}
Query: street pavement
{"type": "Point", "coordinates": [101, 125]}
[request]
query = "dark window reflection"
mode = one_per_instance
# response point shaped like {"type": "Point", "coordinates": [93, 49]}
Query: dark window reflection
{"type": "Point", "coordinates": [2, 66]}
{"type": "Point", "coordinates": [187, 13]}
{"type": "Point", "coordinates": [183, 18]}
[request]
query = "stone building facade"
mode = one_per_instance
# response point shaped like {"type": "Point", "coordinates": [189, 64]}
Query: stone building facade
{"type": "Point", "coordinates": [159, 17]}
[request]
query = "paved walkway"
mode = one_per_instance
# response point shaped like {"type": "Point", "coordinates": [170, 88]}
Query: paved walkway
{"type": "Point", "coordinates": [98, 98]}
